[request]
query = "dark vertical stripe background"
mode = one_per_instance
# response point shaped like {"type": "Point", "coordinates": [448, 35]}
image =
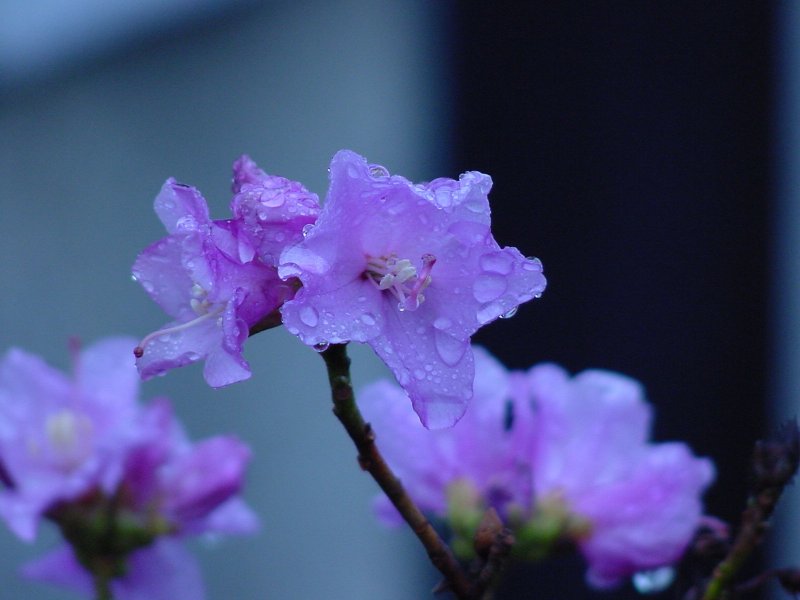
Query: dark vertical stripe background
{"type": "Point", "coordinates": [634, 140]}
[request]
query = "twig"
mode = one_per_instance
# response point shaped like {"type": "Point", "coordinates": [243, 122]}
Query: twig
{"type": "Point", "coordinates": [371, 460]}
{"type": "Point", "coordinates": [774, 465]}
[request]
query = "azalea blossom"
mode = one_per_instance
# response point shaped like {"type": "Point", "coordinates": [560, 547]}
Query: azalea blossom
{"type": "Point", "coordinates": [479, 451]}
{"type": "Point", "coordinates": [568, 456]}
{"type": "Point", "coordinates": [75, 450]}
{"type": "Point", "coordinates": [270, 211]}
{"type": "Point", "coordinates": [215, 277]}
{"type": "Point", "coordinates": [410, 269]}
{"type": "Point", "coordinates": [590, 453]}
{"type": "Point", "coordinates": [61, 436]}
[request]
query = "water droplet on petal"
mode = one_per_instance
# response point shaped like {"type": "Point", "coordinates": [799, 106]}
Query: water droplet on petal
{"type": "Point", "coordinates": [309, 316]}
{"type": "Point", "coordinates": [134, 278]}
{"type": "Point", "coordinates": [450, 349]}
{"type": "Point", "coordinates": [509, 314]}
{"type": "Point", "coordinates": [442, 323]}
{"type": "Point", "coordinates": [419, 373]}
{"type": "Point", "coordinates": [489, 312]}
{"type": "Point", "coordinates": [378, 171]}
{"type": "Point", "coordinates": [497, 262]}
{"type": "Point", "coordinates": [321, 347]}
{"type": "Point", "coordinates": [532, 264]}
{"type": "Point", "coordinates": [653, 581]}
{"type": "Point", "coordinates": [273, 202]}
{"type": "Point", "coordinates": [368, 319]}
{"type": "Point", "coordinates": [307, 229]}
{"type": "Point", "coordinates": [488, 287]}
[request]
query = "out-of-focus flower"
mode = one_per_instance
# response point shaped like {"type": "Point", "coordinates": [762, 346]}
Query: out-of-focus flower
{"type": "Point", "coordinates": [641, 501]}
{"type": "Point", "coordinates": [562, 459]}
{"type": "Point", "coordinates": [61, 437]}
{"type": "Point", "coordinates": [410, 269]}
{"type": "Point", "coordinates": [477, 452]}
{"type": "Point", "coordinates": [122, 481]}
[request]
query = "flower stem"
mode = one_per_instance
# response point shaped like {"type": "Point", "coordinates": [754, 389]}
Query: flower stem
{"type": "Point", "coordinates": [775, 463]}
{"type": "Point", "coordinates": [102, 586]}
{"type": "Point", "coordinates": [371, 460]}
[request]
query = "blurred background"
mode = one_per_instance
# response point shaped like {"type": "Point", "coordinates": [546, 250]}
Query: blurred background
{"type": "Point", "coordinates": [644, 152]}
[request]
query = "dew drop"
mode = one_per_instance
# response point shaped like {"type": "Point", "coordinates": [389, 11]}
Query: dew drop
{"type": "Point", "coordinates": [273, 202]}
{"type": "Point", "coordinates": [532, 264]}
{"type": "Point", "coordinates": [488, 287]}
{"type": "Point", "coordinates": [450, 349]}
{"type": "Point", "coordinates": [489, 312]}
{"type": "Point", "coordinates": [309, 316]}
{"type": "Point", "coordinates": [443, 198]}
{"type": "Point", "coordinates": [419, 373]}
{"type": "Point", "coordinates": [134, 278]}
{"type": "Point", "coordinates": [368, 319]}
{"type": "Point", "coordinates": [497, 262]}
{"type": "Point", "coordinates": [378, 171]}
{"type": "Point", "coordinates": [442, 323]}
{"type": "Point", "coordinates": [307, 229]}
{"type": "Point", "coordinates": [509, 314]}
{"type": "Point", "coordinates": [321, 347]}
{"type": "Point", "coordinates": [653, 581]}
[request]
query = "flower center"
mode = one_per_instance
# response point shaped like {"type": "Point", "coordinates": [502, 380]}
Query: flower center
{"type": "Point", "coordinates": [400, 278]}
{"type": "Point", "coordinates": [69, 436]}
{"type": "Point", "coordinates": [199, 300]}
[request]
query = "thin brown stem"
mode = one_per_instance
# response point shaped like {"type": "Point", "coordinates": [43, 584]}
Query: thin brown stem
{"type": "Point", "coordinates": [371, 460]}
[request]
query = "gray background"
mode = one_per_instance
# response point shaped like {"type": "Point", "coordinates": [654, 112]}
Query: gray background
{"type": "Point", "coordinates": [86, 144]}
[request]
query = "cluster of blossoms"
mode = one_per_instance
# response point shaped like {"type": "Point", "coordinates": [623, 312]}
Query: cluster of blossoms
{"type": "Point", "coordinates": [120, 479]}
{"type": "Point", "coordinates": [560, 458]}
{"type": "Point", "coordinates": [410, 269]}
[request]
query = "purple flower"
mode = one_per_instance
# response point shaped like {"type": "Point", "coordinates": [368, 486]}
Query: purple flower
{"type": "Point", "coordinates": [218, 279]}
{"type": "Point", "coordinates": [165, 570]}
{"type": "Point", "coordinates": [410, 269]}
{"type": "Point", "coordinates": [193, 487]}
{"type": "Point", "coordinates": [590, 451]}
{"type": "Point", "coordinates": [78, 450]}
{"type": "Point", "coordinates": [61, 437]}
{"type": "Point", "coordinates": [270, 211]}
{"type": "Point", "coordinates": [557, 456]}
{"type": "Point", "coordinates": [479, 450]}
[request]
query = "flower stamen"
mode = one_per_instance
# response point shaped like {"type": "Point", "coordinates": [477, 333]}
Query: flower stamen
{"type": "Point", "coordinates": [138, 352]}
{"type": "Point", "coordinates": [400, 278]}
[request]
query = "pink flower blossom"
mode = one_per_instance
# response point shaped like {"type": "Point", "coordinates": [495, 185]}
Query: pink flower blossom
{"type": "Point", "coordinates": [591, 451]}
{"type": "Point", "coordinates": [410, 269]}
{"type": "Point", "coordinates": [59, 436]}
{"type": "Point", "coordinates": [217, 279]}
{"type": "Point", "coordinates": [73, 449]}
{"type": "Point", "coordinates": [546, 445]}
{"type": "Point", "coordinates": [479, 450]}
